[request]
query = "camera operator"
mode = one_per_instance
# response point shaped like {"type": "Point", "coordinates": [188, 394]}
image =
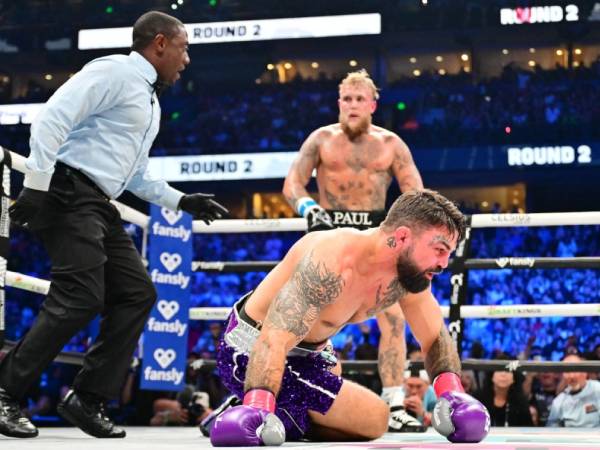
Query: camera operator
{"type": "Point", "coordinates": [188, 408]}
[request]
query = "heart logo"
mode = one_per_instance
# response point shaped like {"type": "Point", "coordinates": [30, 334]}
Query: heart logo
{"type": "Point", "coordinates": [164, 357]}
{"type": "Point", "coordinates": [171, 261]}
{"type": "Point", "coordinates": [168, 309]}
{"type": "Point", "coordinates": [524, 15]}
{"type": "Point", "coordinates": [502, 262]}
{"type": "Point", "coordinates": [171, 216]}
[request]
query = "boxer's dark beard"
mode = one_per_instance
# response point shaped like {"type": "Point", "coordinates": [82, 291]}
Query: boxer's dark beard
{"type": "Point", "coordinates": [410, 276]}
{"type": "Point", "coordinates": [355, 132]}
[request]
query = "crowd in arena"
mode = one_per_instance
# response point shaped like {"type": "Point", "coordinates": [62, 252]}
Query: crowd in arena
{"type": "Point", "coordinates": [438, 111]}
{"type": "Point", "coordinates": [516, 106]}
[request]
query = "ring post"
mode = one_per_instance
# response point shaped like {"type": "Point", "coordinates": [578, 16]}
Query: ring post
{"type": "Point", "coordinates": [458, 296]}
{"type": "Point", "coordinates": [5, 166]}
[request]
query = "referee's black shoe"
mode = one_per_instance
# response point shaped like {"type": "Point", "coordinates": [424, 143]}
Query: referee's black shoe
{"type": "Point", "coordinates": [12, 422]}
{"type": "Point", "coordinates": [86, 411]}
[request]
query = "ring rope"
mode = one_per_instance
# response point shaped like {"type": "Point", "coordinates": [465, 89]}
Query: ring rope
{"type": "Point", "coordinates": [466, 311]}
{"type": "Point", "coordinates": [584, 262]}
{"type": "Point", "coordinates": [32, 284]}
{"type": "Point", "coordinates": [467, 364]}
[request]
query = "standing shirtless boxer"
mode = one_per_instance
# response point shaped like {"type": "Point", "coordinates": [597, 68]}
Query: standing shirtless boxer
{"type": "Point", "coordinates": [356, 162]}
{"type": "Point", "coordinates": [276, 353]}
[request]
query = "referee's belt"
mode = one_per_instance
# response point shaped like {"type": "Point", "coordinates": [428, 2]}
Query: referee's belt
{"type": "Point", "coordinates": [356, 219]}
{"type": "Point", "coordinates": [69, 171]}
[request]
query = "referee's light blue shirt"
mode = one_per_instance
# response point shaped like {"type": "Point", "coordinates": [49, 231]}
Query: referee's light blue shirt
{"type": "Point", "coordinates": [102, 121]}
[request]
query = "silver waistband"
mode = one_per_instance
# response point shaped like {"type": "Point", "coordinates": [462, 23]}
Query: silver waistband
{"type": "Point", "coordinates": [243, 336]}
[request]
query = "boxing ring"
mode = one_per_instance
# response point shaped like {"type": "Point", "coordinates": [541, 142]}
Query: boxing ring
{"type": "Point", "coordinates": [189, 438]}
{"type": "Point", "coordinates": [148, 438]}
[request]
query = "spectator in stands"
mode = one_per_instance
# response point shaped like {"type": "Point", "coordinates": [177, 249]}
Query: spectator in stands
{"type": "Point", "coordinates": [419, 398]}
{"type": "Point", "coordinates": [544, 389]}
{"type": "Point", "coordinates": [503, 395]}
{"type": "Point", "coordinates": [579, 404]}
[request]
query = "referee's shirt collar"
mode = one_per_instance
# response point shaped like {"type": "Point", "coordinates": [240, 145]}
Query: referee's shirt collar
{"type": "Point", "coordinates": [148, 71]}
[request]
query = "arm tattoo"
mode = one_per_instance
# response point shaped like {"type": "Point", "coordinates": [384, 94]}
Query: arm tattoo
{"type": "Point", "coordinates": [442, 356]}
{"type": "Point", "coordinates": [298, 304]}
{"type": "Point", "coordinates": [396, 323]}
{"type": "Point", "coordinates": [392, 352]}
{"type": "Point", "coordinates": [294, 310]}
{"type": "Point", "coordinates": [307, 160]}
{"type": "Point", "coordinates": [408, 174]}
{"type": "Point", "coordinates": [384, 300]}
{"type": "Point", "coordinates": [391, 365]}
{"type": "Point", "coordinates": [266, 366]}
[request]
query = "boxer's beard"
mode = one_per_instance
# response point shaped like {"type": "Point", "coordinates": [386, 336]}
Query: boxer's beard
{"type": "Point", "coordinates": [354, 132]}
{"type": "Point", "coordinates": [410, 276]}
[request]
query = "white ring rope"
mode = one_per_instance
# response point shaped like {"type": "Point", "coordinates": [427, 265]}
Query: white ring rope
{"type": "Point", "coordinates": [38, 286]}
{"type": "Point", "coordinates": [250, 225]}
{"type": "Point", "coordinates": [27, 283]}
{"type": "Point", "coordinates": [466, 312]}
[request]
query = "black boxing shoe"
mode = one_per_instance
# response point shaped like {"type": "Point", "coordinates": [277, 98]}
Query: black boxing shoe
{"type": "Point", "coordinates": [12, 422]}
{"type": "Point", "coordinates": [208, 422]}
{"type": "Point", "coordinates": [86, 411]}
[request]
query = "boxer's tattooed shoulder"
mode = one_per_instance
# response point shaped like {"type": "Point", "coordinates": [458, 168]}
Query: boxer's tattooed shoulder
{"type": "Point", "coordinates": [312, 287]}
{"type": "Point", "coordinates": [442, 356]}
{"type": "Point", "coordinates": [386, 298]}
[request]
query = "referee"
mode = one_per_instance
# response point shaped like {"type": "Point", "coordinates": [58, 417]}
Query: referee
{"type": "Point", "coordinates": [88, 144]}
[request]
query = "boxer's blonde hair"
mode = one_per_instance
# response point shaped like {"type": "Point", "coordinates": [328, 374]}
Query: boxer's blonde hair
{"type": "Point", "coordinates": [425, 209]}
{"type": "Point", "coordinates": [360, 78]}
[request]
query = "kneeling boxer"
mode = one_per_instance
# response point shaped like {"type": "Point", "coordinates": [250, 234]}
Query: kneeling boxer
{"type": "Point", "coordinates": [276, 355]}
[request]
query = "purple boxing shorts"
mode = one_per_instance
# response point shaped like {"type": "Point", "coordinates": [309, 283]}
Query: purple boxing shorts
{"type": "Point", "coordinates": [307, 382]}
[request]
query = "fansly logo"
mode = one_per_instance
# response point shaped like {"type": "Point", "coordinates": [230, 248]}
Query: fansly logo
{"type": "Point", "coordinates": [167, 309]}
{"type": "Point", "coordinates": [515, 262]}
{"type": "Point", "coordinates": [164, 358]}
{"type": "Point", "coordinates": [170, 261]}
{"type": "Point", "coordinates": [172, 217]}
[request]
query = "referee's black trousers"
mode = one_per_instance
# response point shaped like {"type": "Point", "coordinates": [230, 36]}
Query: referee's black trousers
{"type": "Point", "coordinates": [96, 269]}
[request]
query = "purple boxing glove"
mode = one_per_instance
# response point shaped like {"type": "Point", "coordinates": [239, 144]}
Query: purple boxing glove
{"type": "Point", "coordinates": [460, 417]}
{"type": "Point", "coordinates": [249, 425]}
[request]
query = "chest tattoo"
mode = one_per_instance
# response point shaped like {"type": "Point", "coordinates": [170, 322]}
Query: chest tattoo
{"type": "Point", "coordinates": [390, 295]}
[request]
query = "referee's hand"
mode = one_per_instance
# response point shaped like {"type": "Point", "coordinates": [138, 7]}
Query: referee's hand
{"type": "Point", "coordinates": [27, 206]}
{"type": "Point", "coordinates": [202, 207]}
